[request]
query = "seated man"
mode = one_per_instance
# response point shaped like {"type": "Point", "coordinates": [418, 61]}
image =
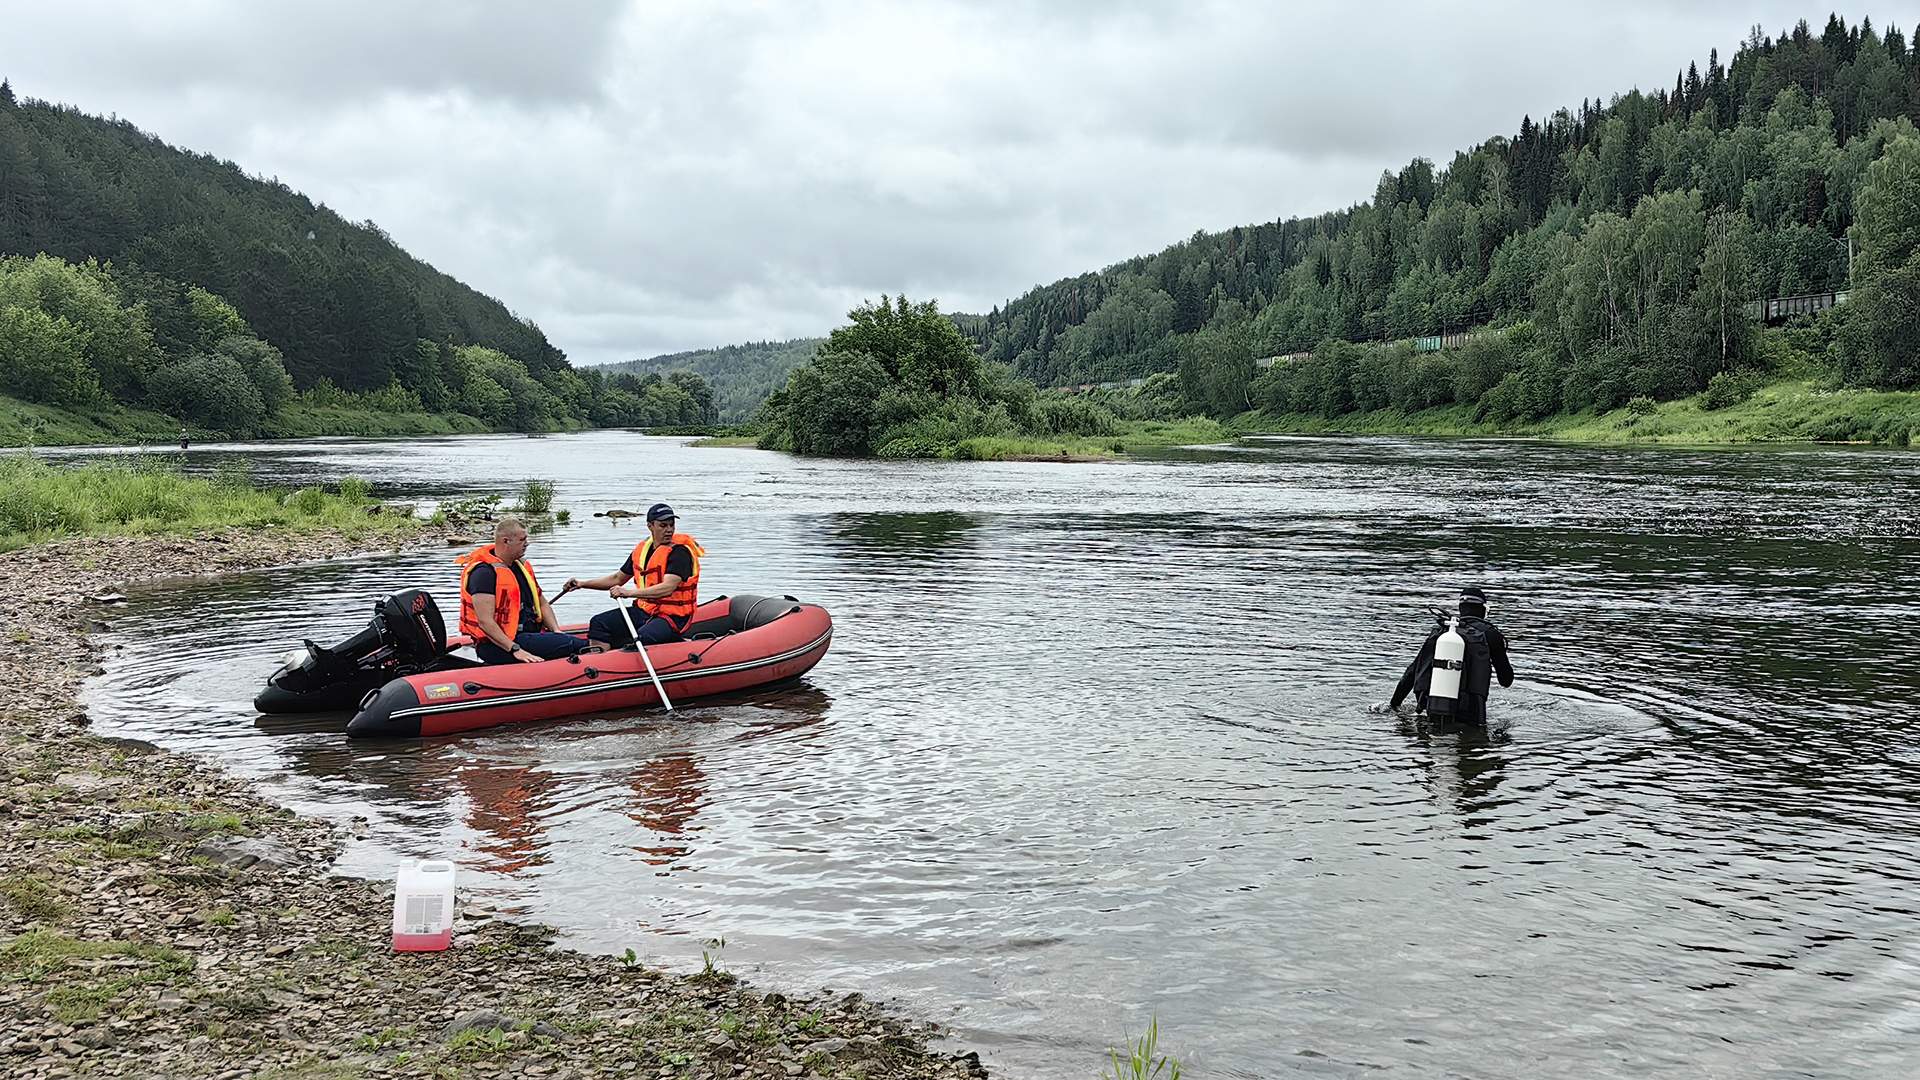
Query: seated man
{"type": "Point", "coordinates": [498, 591]}
{"type": "Point", "coordinates": [667, 564]}
{"type": "Point", "coordinates": [1486, 656]}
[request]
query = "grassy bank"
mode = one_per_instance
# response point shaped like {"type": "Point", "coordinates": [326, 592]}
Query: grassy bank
{"type": "Point", "coordinates": [1131, 436]}
{"type": "Point", "coordinates": [728, 440]}
{"type": "Point", "coordinates": [40, 502]}
{"type": "Point", "coordinates": [26, 424]}
{"type": "Point", "coordinates": [308, 421]}
{"type": "Point", "coordinates": [1788, 411]}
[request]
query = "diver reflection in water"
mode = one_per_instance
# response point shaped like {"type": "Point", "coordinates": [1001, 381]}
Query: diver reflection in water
{"type": "Point", "coordinates": [1472, 751]}
{"type": "Point", "coordinates": [1453, 672]}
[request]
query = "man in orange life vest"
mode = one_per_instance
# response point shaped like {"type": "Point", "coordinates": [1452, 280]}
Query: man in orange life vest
{"type": "Point", "coordinates": [501, 606]}
{"type": "Point", "coordinates": [666, 569]}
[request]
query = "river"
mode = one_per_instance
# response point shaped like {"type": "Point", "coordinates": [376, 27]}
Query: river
{"type": "Point", "coordinates": [1092, 747]}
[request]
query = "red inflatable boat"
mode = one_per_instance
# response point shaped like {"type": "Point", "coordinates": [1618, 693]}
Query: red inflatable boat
{"type": "Point", "coordinates": [735, 643]}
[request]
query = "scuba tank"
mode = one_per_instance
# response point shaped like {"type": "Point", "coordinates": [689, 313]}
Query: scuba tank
{"type": "Point", "coordinates": [1449, 660]}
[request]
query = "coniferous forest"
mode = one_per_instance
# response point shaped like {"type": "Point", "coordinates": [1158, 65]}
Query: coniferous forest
{"type": "Point", "coordinates": [1618, 244]}
{"type": "Point", "coordinates": [136, 274]}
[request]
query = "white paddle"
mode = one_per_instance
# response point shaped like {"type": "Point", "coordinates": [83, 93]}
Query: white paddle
{"type": "Point", "coordinates": [644, 658]}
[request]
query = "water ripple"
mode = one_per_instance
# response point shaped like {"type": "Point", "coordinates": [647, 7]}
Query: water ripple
{"type": "Point", "coordinates": [1092, 745]}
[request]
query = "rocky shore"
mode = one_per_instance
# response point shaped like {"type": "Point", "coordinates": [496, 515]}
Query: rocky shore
{"type": "Point", "coordinates": [161, 919]}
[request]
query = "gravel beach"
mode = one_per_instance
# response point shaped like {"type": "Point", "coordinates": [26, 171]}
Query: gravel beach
{"type": "Point", "coordinates": [159, 918]}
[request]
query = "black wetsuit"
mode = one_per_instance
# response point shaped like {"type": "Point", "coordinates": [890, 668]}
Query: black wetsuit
{"type": "Point", "coordinates": [1486, 657]}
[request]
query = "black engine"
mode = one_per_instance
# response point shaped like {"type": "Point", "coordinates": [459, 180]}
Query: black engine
{"type": "Point", "coordinates": [407, 636]}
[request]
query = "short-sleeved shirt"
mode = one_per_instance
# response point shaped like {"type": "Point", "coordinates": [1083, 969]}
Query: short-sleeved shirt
{"type": "Point", "coordinates": [481, 582]}
{"type": "Point", "coordinates": [679, 563]}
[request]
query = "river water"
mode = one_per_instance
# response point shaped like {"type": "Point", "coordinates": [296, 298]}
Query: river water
{"type": "Point", "coordinates": [1092, 747]}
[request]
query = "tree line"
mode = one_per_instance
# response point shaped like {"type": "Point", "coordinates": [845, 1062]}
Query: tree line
{"type": "Point", "coordinates": [138, 274]}
{"type": "Point", "coordinates": [86, 335]}
{"type": "Point", "coordinates": [742, 376]}
{"type": "Point", "coordinates": [1627, 236]}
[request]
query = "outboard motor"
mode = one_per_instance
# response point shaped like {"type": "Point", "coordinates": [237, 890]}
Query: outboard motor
{"type": "Point", "coordinates": [407, 635]}
{"type": "Point", "coordinates": [1449, 661]}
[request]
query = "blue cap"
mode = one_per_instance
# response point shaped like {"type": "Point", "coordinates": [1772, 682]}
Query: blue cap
{"type": "Point", "coordinates": [659, 512]}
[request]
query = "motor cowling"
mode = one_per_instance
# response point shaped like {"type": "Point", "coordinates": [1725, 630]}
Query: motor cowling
{"type": "Point", "coordinates": [406, 629]}
{"type": "Point", "coordinates": [1449, 661]}
{"type": "Point", "coordinates": [412, 625]}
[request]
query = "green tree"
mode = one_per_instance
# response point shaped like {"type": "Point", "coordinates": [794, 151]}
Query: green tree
{"type": "Point", "coordinates": [264, 368]}
{"type": "Point", "coordinates": [913, 343]}
{"type": "Point", "coordinates": [830, 405]}
{"type": "Point", "coordinates": [529, 406]}
{"type": "Point", "coordinates": [214, 320]}
{"type": "Point", "coordinates": [1725, 282]}
{"type": "Point", "coordinates": [1886, 212]}
{"type": "Point", "coordinates": [1877, 342]}
{"type": "Point", "coordinates": [43, 358]}
{"type": "Point", "coordinates": [115, 339]}
{"type": "Point", "coordinates": [1216, 369]}
{"type": "Point", "coordinates": [699, 393]}
{"type": "Point", "coordinates": [212, 391]}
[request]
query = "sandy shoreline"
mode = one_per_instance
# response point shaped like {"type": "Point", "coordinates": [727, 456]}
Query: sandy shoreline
{"type": "Point", "coordinates": [160, 918]}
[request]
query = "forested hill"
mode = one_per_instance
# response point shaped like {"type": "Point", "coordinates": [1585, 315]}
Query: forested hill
{"type": "Point", "coordinates": [339, 299]}
{"type": "Point", "coordinates": [742, 376]}
{"type": "Point", "coordinates": [1765, 152]}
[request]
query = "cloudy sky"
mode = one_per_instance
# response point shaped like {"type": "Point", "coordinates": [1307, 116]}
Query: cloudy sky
{"type": "Point", "coordinates": [646, 177]}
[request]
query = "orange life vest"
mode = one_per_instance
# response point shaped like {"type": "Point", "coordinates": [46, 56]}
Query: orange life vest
{"type": "Point", "coordinates": [650, 569]}
{"type": "Point", "coordinates": [506, 593]}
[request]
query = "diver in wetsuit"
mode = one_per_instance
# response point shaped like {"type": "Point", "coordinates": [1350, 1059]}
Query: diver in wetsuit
{"type": "Point", "coordinates": [1485, 656]}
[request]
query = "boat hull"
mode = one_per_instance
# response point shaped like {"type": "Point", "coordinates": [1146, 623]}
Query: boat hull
{"type": "Point", "coordinates": [781, 648]}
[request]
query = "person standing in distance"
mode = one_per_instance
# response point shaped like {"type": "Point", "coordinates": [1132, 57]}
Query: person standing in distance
{"type": "Point", "coordinates": [1486, 656]}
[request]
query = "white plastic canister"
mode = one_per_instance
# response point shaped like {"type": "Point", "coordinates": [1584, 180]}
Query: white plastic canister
{"type": "Point", "coordinates": [423, 906]}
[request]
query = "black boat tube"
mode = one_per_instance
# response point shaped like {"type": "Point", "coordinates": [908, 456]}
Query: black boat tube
{"type": "Point", "coordinates": [376, 719]}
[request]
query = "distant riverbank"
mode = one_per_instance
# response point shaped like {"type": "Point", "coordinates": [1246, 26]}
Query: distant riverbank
{"type": "Point", "coordinates": [1787, 411]}
{"type": "Point", "coordinates": [24, 423]}
{"type": "Point", "coordinates": [1129, 437]}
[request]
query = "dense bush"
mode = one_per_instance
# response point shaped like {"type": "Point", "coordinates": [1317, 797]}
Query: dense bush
{"type": "Point", "coordinates": [1531, 392]}
{"type": "Point", "coordinates": [831, 404]}
{"type": "Point", "coordinates": [902, 381]}
{"type": "Point", "coordinates": [1730, 388]}
{"type": "Point", "coordinates": [1877, 336]}
{"type": "Point", "coordinates": [209, 391]}
{"type": "Point", "coordinates": [43, 358]}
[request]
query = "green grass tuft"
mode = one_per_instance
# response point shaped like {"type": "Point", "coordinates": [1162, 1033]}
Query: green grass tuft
{"type": "Point", "coordinates": [41, 957]}
{"type": "Point", "coordinates": [536, 497]}
{"type": "Point", "coordinates": [32, 896]}
{"type": "Point", "coordinates": [1143, 1060]}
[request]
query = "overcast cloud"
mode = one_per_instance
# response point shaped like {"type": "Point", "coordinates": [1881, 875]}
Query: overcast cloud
{"type": "Point", "coordinates": [649, 177]}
